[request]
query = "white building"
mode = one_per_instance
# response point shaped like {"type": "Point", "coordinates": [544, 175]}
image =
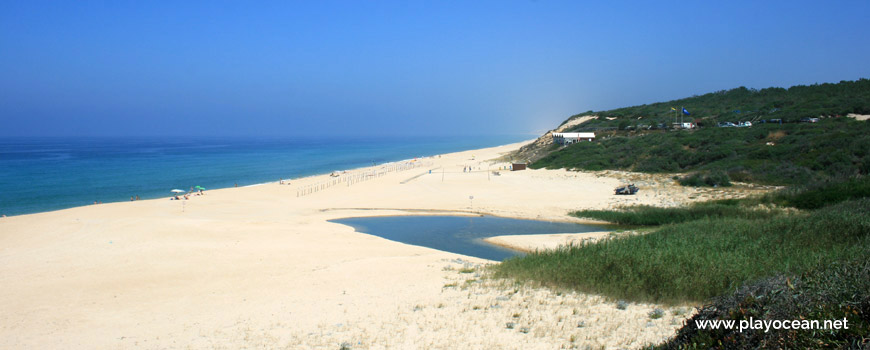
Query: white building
{"type": "Point", "coordinates": [567, 138]}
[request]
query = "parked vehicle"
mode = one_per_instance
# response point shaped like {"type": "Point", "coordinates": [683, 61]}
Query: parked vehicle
{"type": "Point", "coordinates": [629, 189]}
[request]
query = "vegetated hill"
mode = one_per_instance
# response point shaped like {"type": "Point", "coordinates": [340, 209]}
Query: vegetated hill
{"type": "Point", "coordinates": [741, 104]}
{"type": "Point", "coordinates": [817, 268]}
{"type": "Point", "coordinates": [773, 153]}
{"type": "Point", "coordinates": [784, 154]}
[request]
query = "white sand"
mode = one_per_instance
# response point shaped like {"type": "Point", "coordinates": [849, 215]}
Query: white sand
{"type": "Point", "coordinates": [532, 243]}
{"type": "Point", "coordinates": [259, 267]}
{"type": "Point", "coordinates": [575, 121]}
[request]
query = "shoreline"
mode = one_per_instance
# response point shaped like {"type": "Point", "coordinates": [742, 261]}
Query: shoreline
{"type": "Point", "coordinates": [459, 212]}
{"type": "Point", "coordinates": [532, 243]}
{"type": "Point", "coordinates": [275, 182]}
{"type": "Point", "coordinates": [260, 267]}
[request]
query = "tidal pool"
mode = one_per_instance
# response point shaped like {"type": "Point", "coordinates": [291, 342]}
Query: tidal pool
{"type": "Point", "coordinates": [460, 234]}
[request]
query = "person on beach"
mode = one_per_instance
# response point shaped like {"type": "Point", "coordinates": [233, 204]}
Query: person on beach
{"type": "Point", "coordinates": [132, 198]}
{"type": "Point", "coordinates": [137, 197]}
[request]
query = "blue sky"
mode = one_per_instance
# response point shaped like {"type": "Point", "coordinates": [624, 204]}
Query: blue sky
{"type": "Point", "coordinates": [284, 68]}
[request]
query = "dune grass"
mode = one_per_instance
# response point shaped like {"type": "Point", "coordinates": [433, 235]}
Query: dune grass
{"type": "Point", "coordinates": [696, 260]}
{"type": "Point", "coordinates": [649, 215]}
{"type": "Point", "coordinates": [818, 195]}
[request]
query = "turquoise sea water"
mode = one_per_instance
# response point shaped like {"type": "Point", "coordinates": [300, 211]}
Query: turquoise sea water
{"type": "Point", "coordinates": [460, 234]}
{"type": "Point", "coordinates": [44, 174]}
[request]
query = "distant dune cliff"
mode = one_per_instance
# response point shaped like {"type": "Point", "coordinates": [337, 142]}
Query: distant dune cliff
{"type": "Point", "coordinates": [544, 144]}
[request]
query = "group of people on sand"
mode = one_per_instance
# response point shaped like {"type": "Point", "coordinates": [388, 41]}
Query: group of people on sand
{"type": "Point", "coordinates": [282, 182]}
{"type": "Point", "coordinates": [134, 198]}
{"type": "Point", "coordinates": [197, 192]}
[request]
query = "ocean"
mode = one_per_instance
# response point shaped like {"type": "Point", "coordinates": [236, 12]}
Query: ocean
{"type": "Point", "coordinates": [45, 174]}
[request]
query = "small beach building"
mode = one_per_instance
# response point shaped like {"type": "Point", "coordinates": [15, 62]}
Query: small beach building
{"type": "Point", "coordinates": [567, 138]}
{"type": "Point", "coordinates": [518, 166]}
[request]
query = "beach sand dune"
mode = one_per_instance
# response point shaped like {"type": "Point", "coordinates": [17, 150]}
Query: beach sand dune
{"type": "Point", "coordinates": [261, 267]}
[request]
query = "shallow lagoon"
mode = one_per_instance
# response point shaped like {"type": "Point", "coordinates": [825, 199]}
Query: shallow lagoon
{"type": "Point", "coordinates": [460, 234]}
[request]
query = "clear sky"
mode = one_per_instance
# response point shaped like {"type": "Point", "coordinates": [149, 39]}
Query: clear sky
{"type": "Point", "coordinates": [138, 68]}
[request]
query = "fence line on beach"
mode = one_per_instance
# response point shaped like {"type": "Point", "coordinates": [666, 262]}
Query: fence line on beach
{"type": "Point", "coordinates": [350, 179]}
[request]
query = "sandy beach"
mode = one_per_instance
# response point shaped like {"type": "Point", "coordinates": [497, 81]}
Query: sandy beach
{"type": "Point", "coordinates": [532, 243]}
{"type": "Point", "coordinates": [261, 267]}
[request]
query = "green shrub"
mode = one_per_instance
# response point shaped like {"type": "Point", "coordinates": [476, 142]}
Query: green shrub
{"type": "Point", "coordinates": [715, 179]}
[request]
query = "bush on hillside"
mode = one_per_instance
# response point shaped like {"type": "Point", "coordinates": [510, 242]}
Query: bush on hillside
{"type": "Point", "coordinates": [714, 179]}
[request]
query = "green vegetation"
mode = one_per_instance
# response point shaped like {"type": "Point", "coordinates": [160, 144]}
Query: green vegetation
{"type": "Point", "coordinates": [715, 179]}
{"type": "Point", "coordinates": [802, 253]}
{"type": "Point", "coordinates": [744, 259]}
{"type": "Point", "coordinates": [821, 194]}
{"type": "Point", "coordinates": [649, 215]}
{"type": "Point", "coordinates": [787, 154]}
{"type": "Point", "coordinates": [743, 104]}
{"type": "Point", "coordinates": [701, 259]}
{"type": "Point", "coordinates": [823, 293]}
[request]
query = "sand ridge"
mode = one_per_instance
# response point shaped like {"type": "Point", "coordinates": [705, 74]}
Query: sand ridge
{"type": "Point", "coordinates": [260, 266]}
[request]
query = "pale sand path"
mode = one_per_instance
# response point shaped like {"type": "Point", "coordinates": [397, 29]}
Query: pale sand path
{"type": "Point", "coordinates": [260, 267]}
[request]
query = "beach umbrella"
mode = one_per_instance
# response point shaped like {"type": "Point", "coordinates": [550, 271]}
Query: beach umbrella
{"type": "Point", "coordinates": [200, 188]}
{"type": "Point", "coordinates": [177, 191]}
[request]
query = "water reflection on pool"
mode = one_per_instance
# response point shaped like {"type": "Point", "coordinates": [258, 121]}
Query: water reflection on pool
{"type": "Point", "coordinates": [460, 234]}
